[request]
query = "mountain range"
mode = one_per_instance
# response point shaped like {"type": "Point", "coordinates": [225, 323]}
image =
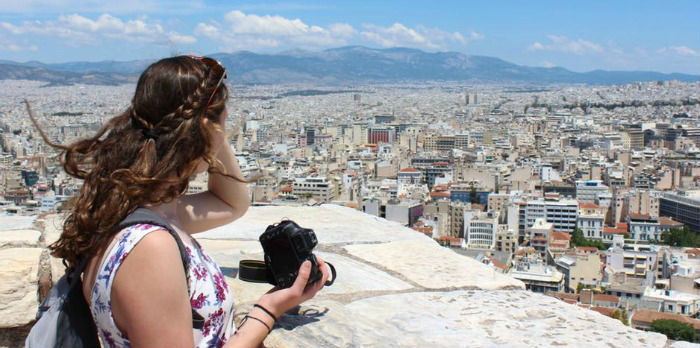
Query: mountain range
{"type": "Point", "coordinates": [340, 66]}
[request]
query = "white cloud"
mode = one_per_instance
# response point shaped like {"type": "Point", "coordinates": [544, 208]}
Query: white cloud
{"type": "Point", "coordinates": [342, 30]}
{"type": "Point", "coordinates": [684, 51]}
{"type": "Point", "coordinates": [79, 29]}
{"type": "Point", "coordinates": [419, 37]}
{"type": "Point", "coordinates": [564, 44]}
{"type": "Point", "coordinates": [248, 31]}
{"type": "Point", "coordinates": [548, 64]}
{"type": "Point", "coordinates": [7, 45]}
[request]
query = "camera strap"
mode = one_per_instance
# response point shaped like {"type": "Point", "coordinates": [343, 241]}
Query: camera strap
{"type": "Point", "coordinates": [255, 271]}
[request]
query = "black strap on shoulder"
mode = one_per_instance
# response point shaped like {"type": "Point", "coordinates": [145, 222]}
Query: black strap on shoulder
{"type": "Point", "coordinates": [145, 216]}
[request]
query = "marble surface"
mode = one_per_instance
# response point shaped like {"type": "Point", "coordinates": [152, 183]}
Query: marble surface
{"type": "Point", "coordinates": [463, 318]}
{"type": "Point", "coordinates": [19, 271]}
{"type": "Point", "coordinates": [19, 238]}
{"type": "Point", "coordinates": [395, 287]}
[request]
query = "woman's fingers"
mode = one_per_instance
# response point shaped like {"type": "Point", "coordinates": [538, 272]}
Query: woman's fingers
{"type": "Point", "coordinates": [303, 277]}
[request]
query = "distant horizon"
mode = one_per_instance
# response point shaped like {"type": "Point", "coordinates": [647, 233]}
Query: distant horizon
{"type": "Point", "coordinates": [282, 52]}
{"type": "Point", "coordinates": [580, 36]}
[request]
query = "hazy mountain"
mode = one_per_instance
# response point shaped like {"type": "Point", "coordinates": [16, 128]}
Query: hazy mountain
{"type": "Point", "coordinates": [344, 65]}
{"type": "Point", "coordinates": [14, 71]}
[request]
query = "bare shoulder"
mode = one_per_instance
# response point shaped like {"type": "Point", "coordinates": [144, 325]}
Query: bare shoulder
{"type": "Point", "coordinates": [149, 294]}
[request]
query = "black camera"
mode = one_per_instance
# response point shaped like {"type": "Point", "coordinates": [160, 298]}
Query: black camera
{"type": "Point", "coordinates": [286, 245]}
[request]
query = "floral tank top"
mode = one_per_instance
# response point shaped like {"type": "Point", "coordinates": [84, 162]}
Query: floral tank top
{"type": "Point", "coordinates": [209, 294]}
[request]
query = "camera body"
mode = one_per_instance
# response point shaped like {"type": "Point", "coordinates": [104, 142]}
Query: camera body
{"type": "Point", "coordinates": [286, 246]}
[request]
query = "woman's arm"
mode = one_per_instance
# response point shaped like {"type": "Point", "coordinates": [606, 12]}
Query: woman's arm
{"type": "Point", "coordinates": [225, 200]}
{"type": "Point", "coordinates": [278, 301]}
{"type": "Point", "coordinates": [149, 298]}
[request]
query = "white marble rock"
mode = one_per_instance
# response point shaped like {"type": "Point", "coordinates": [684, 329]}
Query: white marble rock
{"type": "Point", "coordinates": [19, 238]}
{"type": "Point", "coordinates": [19, 268]}
{"type": "Point", "coordinates": [465, 318]}
{"type": "Point", "coordinates": [432, 266]}
{"type": "Point", "coordinates": [332, 224]}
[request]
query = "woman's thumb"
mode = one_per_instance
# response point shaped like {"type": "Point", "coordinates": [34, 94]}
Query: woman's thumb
{"type": "Point", "coordinates": [303, 276]}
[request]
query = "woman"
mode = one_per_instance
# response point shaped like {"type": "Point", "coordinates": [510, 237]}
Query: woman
{"type": "Point", "coordinates": [134, 281]}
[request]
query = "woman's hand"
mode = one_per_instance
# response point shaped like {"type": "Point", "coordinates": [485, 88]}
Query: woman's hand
{"type": "Point", "coordinates": [279, 301]}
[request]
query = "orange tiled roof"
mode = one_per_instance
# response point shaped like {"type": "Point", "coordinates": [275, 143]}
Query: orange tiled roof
{"type": "Point", "coordinates": [614, 230]}
{"type": "Point", "coordinates": [563, 296]}
{"type": "Point", "coordinates": [647, 317]}
{"type": "Point", "coordinates": [605, 298]}
{"type": "Point", "coordinates": [557, 235]}
{"type": "Point", "coordinates": [603, 310]}
{"type": "Point", "coordinates": [409, 170]}
{"type": "Point", "coordinates": [588, 205]}
{"type": "Point", "coordinates": [498, 264]}
{"type": "Point", "coordinates": [668, 221]}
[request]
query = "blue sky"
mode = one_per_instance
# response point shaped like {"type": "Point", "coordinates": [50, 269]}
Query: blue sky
{"type": "Point", "coordinates": [578, 35]}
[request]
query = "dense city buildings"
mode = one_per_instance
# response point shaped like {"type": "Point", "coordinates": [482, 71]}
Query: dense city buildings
{"type": "Point", "coordinates": [567, 188]}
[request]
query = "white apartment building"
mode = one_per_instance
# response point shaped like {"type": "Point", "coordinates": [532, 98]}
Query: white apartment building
{"type": "Point", "coordinates": [588, 190]}
{"type": "Point", "coordinates": [561, 213]}
{"type": "Point", "coordinates": [538, 235]}
{"type": "Point", "coordinates": [644, 227]}
{"type": "Point", "coordinates": [591, 219]}
{"type": "Point", "coordinates": [314, 187]}
{"type": "Point", "coordinates": [670, 301]}
{"type": "Point", "coordinates": [634, 260]}
{"type": "Point", "coordinates": [480, 229]}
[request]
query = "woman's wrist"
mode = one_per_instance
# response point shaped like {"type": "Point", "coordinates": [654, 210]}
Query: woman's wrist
{"type": "Point", "coordinates": [269, 307]}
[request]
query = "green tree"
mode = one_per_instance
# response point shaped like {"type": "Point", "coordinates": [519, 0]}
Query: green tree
{"type": "Point", "coordinates": [674, 329]}
{"type": "Point", "coordinates": [577, 239]}
{"type": "Point", "coordinates": [680, 237]}
{"type": "Point", "coordinates": [621, 315]}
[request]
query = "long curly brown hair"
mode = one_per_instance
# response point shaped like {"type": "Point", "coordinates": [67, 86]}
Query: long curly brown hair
{"type": "Point", "coordinates": [145, 155]}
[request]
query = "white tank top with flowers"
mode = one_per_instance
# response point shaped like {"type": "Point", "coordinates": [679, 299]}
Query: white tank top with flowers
{"type": "Point", "coordinates": [209, 294]}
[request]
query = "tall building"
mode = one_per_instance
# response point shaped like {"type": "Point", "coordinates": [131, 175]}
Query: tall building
{"type": "Point", "coordinates": [310, 133]}
{"type": "Point", "coordinates": [378, 135]}
{"type": "Point", "coordinates": [588, 191]}
{"type": "Point", "coordinates": [461, 141]}
{"type": "Point", "coordinates": [636, 138]}
{"type": "Point", "coordinates": [561, 213]}
{"type": "Point", "coordinates": [480, 229]}
{"type": "Point", "coordinates": [683, 207]}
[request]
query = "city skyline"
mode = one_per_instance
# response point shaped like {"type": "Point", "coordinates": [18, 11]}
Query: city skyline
{"type": "Point", "coordinates": [623, 35]}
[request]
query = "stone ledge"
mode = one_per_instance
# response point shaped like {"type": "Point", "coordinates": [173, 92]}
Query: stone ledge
{"type": "Point", "coordinates": [395, 287]}
{"type": "Point", "coordinates": [19, 284]}
{"type": "Point", "coordinates": [19, 239]}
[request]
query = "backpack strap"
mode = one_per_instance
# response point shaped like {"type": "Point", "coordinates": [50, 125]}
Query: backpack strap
{"type": "Point", "coordinates": [145, 216]}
